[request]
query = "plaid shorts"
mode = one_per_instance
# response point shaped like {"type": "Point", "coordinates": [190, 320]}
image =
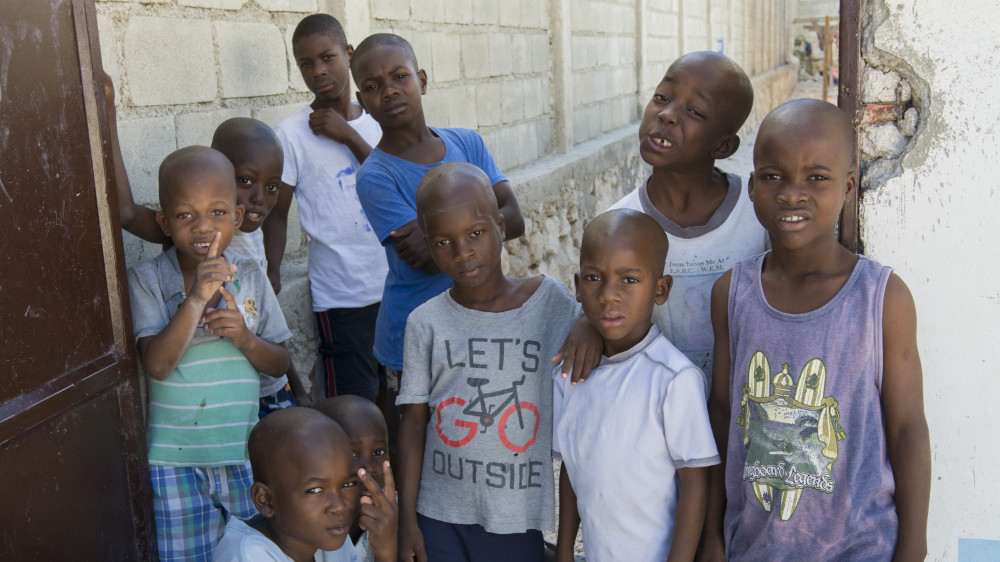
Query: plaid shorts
{"type": "Point", "coordinates": [192, 504]}
{"type": "Point", "coordinates": [277, 401]}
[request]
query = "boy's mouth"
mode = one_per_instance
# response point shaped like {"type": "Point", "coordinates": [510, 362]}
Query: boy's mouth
{"type": "Point", "coordinates": [792, 221]}
{"type": "Point", "coordinates": [611, 319]}
{"type": "Point", "coordinates": [324, 88]}
{"type": "Point", "coordinates": [255, 215]}
{"type": "Point", "coordinates": [661, 142]}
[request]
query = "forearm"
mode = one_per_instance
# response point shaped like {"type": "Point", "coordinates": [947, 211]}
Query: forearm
{"type": "Point", "coordinates": [692, 498]}
{"type": "Point", "coordinates": [569, 518]}
{"type": "Point", "coordinates": [358, 145]}
{"type": "Point", "coordinates": [412, 428]}
{"type": "Point", "coordinates": [910, 457]}
{"type": "Point", "coordinates": [134, 218]}
{"type": "Point", "coordinates": [269, 358]}
{"type": "Point", "coordinates": [160, 354]}
{"type": "Point", "coordinates": [275, 230]}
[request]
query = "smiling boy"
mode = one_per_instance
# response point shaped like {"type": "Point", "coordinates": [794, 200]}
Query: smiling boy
{"type": "Point", "coordinates": [325, 144]}
{"type": "Point", "coordinates": [635, 439]}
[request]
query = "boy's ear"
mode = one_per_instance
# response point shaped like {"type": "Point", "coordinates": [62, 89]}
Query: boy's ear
{"type": "Point", "coordinates": [161, 220]}
{"type": "Point", "coordinates": [423, 81]}
{"type": "Point", "coordinates": [727, 147]}
{"type": "Point", "coordinates": [663, 286]}
{"type": "Point", "coordinates": [239, 215]}
{"type": "Point", "coordinates": [361, 102]}
{"type": "Point", "coordinates": [750, 187]}
{"type": "Point", "coordinates": [852, 183]}
{"type": "Point", "coordinates": [576, 285]}
{"type": "Point", "coordinates": [262, 499]}
{"type": "Point", "coordinates": [350, 52]}
{"type": "Point", "coordinates": [502, 226]}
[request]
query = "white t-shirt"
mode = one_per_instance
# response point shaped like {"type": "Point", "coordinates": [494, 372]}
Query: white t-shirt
{"type": "Point", "coordinates": [622, 435]}
{"type": "Point", "coordinates": [347, 265]}
{"type": "Point", "coordinates": [242, 543]}
{"type": "Point", "coordinates": [699, 255]}
{"type": "Point", "coordinates": [251, 245]}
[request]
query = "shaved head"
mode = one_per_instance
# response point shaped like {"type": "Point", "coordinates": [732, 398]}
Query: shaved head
{"type": "Point", "coordinates": [382, 40]}
{"type": "Point", "coordinates": [280, 435]}
{"type": "Point", "coordinates": [352, 412]}
{"type": "Point", "coordinates": [733, 85]}
{"type": "Point", "coordinates": [193, 164]}
{"type": "Point", "coordinates": [812, 115]}
{"type": "Point", "coordinates": [641, 232]}
{"type": "Point", "coordinates": [455, 181]}
{"type": "Point", "coordinates": [238, 131]}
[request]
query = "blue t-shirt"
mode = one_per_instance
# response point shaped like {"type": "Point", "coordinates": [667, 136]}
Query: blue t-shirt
{"type": "Point", "coordinates": [387, 188]}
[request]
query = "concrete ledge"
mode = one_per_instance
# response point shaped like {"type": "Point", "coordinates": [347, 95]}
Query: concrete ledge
{"type": "Point", "coordinates": [770, 90]}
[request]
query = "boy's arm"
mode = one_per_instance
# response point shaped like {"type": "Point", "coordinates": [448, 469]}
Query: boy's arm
{"type": "Point", "coordinates": [329, 123]}
{"type": "Point", "coordinates": [302, 397]}
{"type": "Point", "coordinates": [569, 518]}
{"type": "Point", "coordinates": [379, 515]}
{"type": "Point", "coordinates": [412, 430]}
{"type": "Point", "coordinates": [136, 219]}
{"type": "Point", "coordinates": [408, 241]}
{"type": "Point", "coordinates": [268, 358]}
{"type": "Point", "coordinates": [161, 353]}
{"type": "Point", "coordinates": [580, 352]}
{"type": "Point", "coordinates": [907, 437]}
{"type": "Point", "coordinates": [510, 209]}
{"type": "Point", "coordinates": [713, 546]}
{"type": "Point", "coordinates": [692, 499]}
{"type": "Point", "coordinates": [275, 231]}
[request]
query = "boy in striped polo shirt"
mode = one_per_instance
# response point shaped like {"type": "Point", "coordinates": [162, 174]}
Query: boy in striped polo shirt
{"type": "Point", "coordinates": [204, 329]}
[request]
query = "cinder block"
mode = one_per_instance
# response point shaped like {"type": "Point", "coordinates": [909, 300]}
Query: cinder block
{"type": "Point", "coordinates": [391, 10]}
{"type": "Point", "coordinates": [145, 143]}
{"type": "Point", "coordinates": [510, 13]}
{"type": "Point", "coordinates": [457, 11]}
{"type": "Point", "coordinates": [488, 107]}
{"type": "Point", "coordinates": [534, 13]}
{"type": "Point", "coordinates": [427, 10]}
{"type": "Point", "coordinates": [607, 115]}
{"type": "Point", "coordinates": [540, 53]}
{"type": "Point", "coordinates": [421, 43]}
{"type": "Point", "coordinates": [294, 75]}
{"type": "Point", "coordinates": [580, 17]}
{"type": "Point", "coordinates": [274, 114]}
{"type": "Point", "coordinates": [445, 54]}
{"type": "Point", "coordinates": [252, 59]}
{"type": "Point", "coordinates": [500, 63]}
{"type": "Point", "coordinates": [543, 134]}
{"type": "Point", "coordinates": [485, 11]}
{"type": "Point", "coordinates": [507, 152]}
{"type": "Point", "coordinates": [520, 53]}
{"type": "Point", "coordinates": [534, 98]}
{"type": "Point", "coordinates": [462, 107]}
{"type": "Point", "coordinates": [512, 101]}
{"type": "Point", "coordinates": [580, 48]}
{"type": "Point", "coordinates": [217, 4]}
{"type": "Point", "coordinates": [169, 61]}
{"type": "Point", "coordinates": [109, 51]}
{"type": "Point", "coordinates": [198, 127]}
{"type": "Point", "coordinates": [583, 88]}
{"type": "Point", "coordinates": [527, 143]}
{"type": "Point", "coordinates": [304, 6]}
{"type": "Point", "coordinates": [435, 106]}
{"type": "Point", "coordinates": [475, 55]}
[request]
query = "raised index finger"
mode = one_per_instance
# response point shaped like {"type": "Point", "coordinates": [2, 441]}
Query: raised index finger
{"type": "Point", "coordinates": [230, 301]}
{"type": "Point", "coordinates": [390, 482]}
{"type": "Point", "coordinates": [378, 494]}
{"type": "Point", "coordinates": [213, 248]}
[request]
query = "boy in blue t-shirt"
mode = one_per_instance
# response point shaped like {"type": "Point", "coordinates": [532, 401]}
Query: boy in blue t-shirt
{"type": "Point", "coordinates": [391, 85]}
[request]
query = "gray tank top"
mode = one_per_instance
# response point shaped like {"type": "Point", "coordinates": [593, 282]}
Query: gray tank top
{"type": "Point", "coordinates": [807, 473]}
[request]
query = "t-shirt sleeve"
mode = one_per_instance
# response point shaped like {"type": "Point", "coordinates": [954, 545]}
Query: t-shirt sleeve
{"type": "Point", "coordinates": [480, 155]}
{"type": "Point", "coordinates": [415, 387]}
{"type": "Point", "coordinates": [685, 421]}
{"type": "Point", "coordinates": [382, 199]}
{"type": "Point", "coordinates": [558, 401]}
{"type": "Point", "coordinates": [272, 327]}
{"type": "Point", "coordinates": [149, 312]}
{"type": "Point", "coordinates": [290, 169]}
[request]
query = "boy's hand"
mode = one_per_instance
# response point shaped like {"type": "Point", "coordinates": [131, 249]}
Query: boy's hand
{"type": "Point", "coordinates": [411, 246]}
{"type": "Point", "coordinates": [379, 514]}
{"type": "Point", "coordinates": [411, 543]}
{"type": "Point", "coordinates": [211, 273]}
{"type": "Point", "coordinates": [227, 322]}
{"type": "Point", "coordinates": [581, 351]}
{"type": "Point", "coordinates": [329, 123]}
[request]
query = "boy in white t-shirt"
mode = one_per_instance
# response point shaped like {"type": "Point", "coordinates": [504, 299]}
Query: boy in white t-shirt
{"type": "Point", "coordinates": [324, 145]}
{"type": "Point", "coordinates": [635, 440]}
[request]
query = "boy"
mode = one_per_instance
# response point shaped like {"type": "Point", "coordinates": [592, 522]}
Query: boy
{"type": "Point", "coordinates": [645, 401]}
{"type": "Point", "coordinates": [386, 73]}
{"type": "Point", "coordinates": [477, 483]}
{"type": "Point", "coordinates": [203, 353]}
{"type": "Point", "coordinates": [256, 156]}
{"type": "Point", "coordinates": [691, 122]}
{"type": "Point", "coordinates": [369, 439]}
{"type": "Point", "coordinates": [324, 144]}
{"type": "Point", "coordinates": [827, 456]}
{"type": "Point", "coordinates": [306, 487]}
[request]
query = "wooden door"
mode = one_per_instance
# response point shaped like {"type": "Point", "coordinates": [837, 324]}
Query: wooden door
{"type": "Point", "coordinates": [72, 450]}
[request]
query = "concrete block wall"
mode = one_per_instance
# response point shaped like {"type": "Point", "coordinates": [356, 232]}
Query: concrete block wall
{"type": "Point", "coordinates": [555, 87]}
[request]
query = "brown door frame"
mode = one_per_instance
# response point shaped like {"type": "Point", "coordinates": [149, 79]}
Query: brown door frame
{"type": "Point", "coordinates": [848, 99]}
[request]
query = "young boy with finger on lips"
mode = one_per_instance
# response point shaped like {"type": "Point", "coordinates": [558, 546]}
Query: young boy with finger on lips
{"type": "Point", "coordinates": [476, 482]}
{"type": "Point", "coordinates": [206, 323]}
{"type": "Point", "coordinates": [307, 489]}
{"type": "Point", "coordinates": [635, 440]}
{"type": "Point", "coordinates": [817, 399]}
{"type": "Point", "coordinates": [324, 144]}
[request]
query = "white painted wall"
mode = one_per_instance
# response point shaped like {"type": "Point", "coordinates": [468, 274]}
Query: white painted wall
{"type": "Point", "coordinates": [937, 224]}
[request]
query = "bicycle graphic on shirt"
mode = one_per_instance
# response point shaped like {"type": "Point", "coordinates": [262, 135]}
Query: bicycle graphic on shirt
{"type": "Point", "coordinates": [514, 438]}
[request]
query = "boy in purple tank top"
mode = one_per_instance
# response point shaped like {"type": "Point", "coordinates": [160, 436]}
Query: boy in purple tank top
{"type": "Point", "coordinates": [817, 400]}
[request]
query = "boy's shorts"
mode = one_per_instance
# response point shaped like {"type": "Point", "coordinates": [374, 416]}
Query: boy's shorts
{"type": "Point", "coordinates": [277, 401]}
{"type": "Point", "coordinates": [348, 348]}
{"type": "Point", "coordinates": [192, 505]}
{"type": "Point", "coordinates": [472, 543]}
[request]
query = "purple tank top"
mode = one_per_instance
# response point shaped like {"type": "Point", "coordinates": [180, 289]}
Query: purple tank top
{"type": "Point", "coordinates": [807, 473]}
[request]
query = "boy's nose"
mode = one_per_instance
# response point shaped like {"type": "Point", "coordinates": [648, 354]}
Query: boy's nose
{"type": "Point", "coordinates": [256, 193]}
{"type": "Point", "coordinates": [791, 193]}
{"type": "Point", "coordinates": [668, 114]}
{"type": "Point", "coordinates": [608, 293]}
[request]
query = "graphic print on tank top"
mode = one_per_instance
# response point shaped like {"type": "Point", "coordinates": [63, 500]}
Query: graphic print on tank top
{"type": "Point", "coordinates": [791, 432]}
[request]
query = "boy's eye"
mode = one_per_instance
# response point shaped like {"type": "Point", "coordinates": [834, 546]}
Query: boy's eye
{"type": "Point", "coordinates": [380, 452]}
{"type": "Point", "coordinates": [273, 187]}
{"type": "Point", "coordinates": [218, 213]}
{"type": "Point", "coordinates": [696, 113]}
{"type": "Point", "coordinates": [355, 454]}
{"type": "Point", "coordinates": [477, 233]}
{"type": "Point", "coordinates": [401, 75]}
{"type": "Point", "coordinates": [592, 277]}
{"type": "Point", "coordinates": [316, 490]}
{"type": "Point", "coordinates": [661, 97]}
{"type": "Point", "coordinates": [442, 243]}
{"type": "Point", "coordinates": [370, 87]}
{"type": "Point", "coordinates": [244, 180]}
{"type": "Point", "coordinates": [328, 57]}
{"type": "Point", "coordinates": [818, 177]}
{"type": "Point", "coordinates": [183, 215]}
{"type": "Point", "coordinates": [630, 280]}
{"type": "Point", "coordinates": [349, 484]}
{"type": "Point", "coordinates": [305, 64]}
{"type": "Point", "coordinates": [771, 177]}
